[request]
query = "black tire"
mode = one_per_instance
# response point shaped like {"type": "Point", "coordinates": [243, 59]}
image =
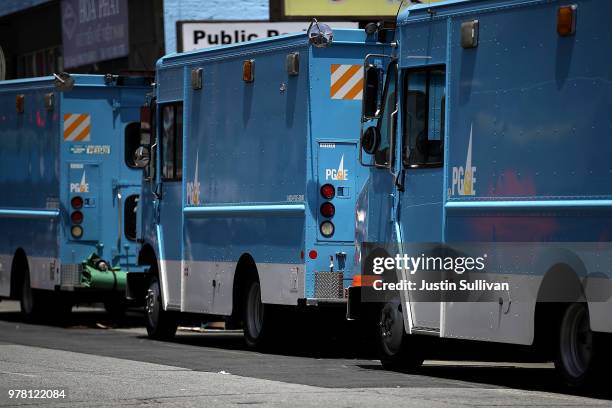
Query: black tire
{"type": "Point", "coordinates": [258, 320]}
{"type": "Point", "coordinates": [576, 361]}
{"type": "Point", "coordinates": [161, 324]}
{"type": "Point", "coordinates": [30, 300]}
{"type": "Point", "coordinates": [397, 350]}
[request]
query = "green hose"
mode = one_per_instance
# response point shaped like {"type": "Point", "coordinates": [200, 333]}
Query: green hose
{"type": "Point", "coordinates": [95, 278]}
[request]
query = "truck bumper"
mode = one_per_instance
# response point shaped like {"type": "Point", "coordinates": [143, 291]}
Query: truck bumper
{"type": "Point", "coordinates": [353, 304]}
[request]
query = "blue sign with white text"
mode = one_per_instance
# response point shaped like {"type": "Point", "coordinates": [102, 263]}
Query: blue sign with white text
{"type": "Point", "coordinates": [94, 30]}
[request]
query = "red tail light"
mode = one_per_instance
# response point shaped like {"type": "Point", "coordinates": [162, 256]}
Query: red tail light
{"type": "Point", "coordinates": [76, 217]}
{"type": "Point", "coordinates": [328, 210]}
{"type": "Point", "coordinates": [328, 191]}
{"type": "Point", "coordinates": [76, 203]}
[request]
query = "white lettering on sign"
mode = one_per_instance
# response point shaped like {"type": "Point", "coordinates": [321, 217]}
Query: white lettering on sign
{"type": "Point", "coordinates": [339, 174]}
{"type": "Point", "coordinates": [464, 177]}
{"type": "Point", "coordinates": [89, 12]}
{"type": "Point", "coordinates": [196, 35]}
{"type": "Point", "coordinates": [81, 187]}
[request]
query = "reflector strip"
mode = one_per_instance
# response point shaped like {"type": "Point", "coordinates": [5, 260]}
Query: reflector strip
{"type": "Point", "coordinates": [346, 82]}
{"type": "Point", "coordinates": [365, 280]}
{"type": "Point", "coordinates": [77, 127]}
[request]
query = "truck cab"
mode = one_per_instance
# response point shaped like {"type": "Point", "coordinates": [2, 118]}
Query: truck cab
{"type": "Point", "coordinates": [466, 148]}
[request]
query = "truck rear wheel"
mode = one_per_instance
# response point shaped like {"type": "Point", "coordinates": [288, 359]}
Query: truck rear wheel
{"type": "Point", "coordinates": [397, 350]}
{"type": "Point", "coordinates": [575, 360]}
{"type": "Point", "coordinates": [258, 322]}
{"type": "Point", "coordinates": [161, 324]}
{"type": "Point", "coordinates": [29, 299]}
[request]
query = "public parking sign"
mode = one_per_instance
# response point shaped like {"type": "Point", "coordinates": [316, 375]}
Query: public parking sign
{"type": "Point", "coordinates": [195, 35]}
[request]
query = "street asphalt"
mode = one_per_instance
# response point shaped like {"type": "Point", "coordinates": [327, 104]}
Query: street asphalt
{"type": "Point", "coordinates": [99, 363]}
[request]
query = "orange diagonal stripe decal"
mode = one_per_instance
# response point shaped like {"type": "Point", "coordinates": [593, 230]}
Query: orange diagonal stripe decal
{"type": "Point", "coordinates": [344, 78]}
{"type": "Point", "coordinates": [354, 90]}
{"type": "Point", "coordinates": [80, 119]}
{"type": "Point", "coordinates": [83, 134]}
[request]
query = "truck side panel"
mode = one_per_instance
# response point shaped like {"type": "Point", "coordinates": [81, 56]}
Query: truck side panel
{"type": "Point", "coordinates": [245, 173]}
{"type": "Point", "coordinates": [29, 181]}
{"type": "Point", "coordinates": [529, 127]}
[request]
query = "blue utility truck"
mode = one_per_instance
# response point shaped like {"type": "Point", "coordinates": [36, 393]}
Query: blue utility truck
{"type": "Point", "coordinates": [249, 199]}
{"type": "Point", "coordinates": [494, 130]}
{"type": "Point", "coordinates": [70, 188]}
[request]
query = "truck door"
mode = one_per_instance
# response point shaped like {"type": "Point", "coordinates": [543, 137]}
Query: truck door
{"type": "Point", "coordinates": [169, 203]}
{"type": "Point", "coordinates": [420, 173]}
{"type": "Point", "coordinates": [126, 185]}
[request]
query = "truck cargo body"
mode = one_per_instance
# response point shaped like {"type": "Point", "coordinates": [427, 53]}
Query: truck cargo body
{"type": "Point", "coordinates": [239, 189]}
{"type": "Point", "coordinates": [69, 190]}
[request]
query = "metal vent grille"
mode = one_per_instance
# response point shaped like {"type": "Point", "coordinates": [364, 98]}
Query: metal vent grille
{"type": "Point", "coordinates": [71, 274]}
{"type": "Point", "coordinates": [328, 285]}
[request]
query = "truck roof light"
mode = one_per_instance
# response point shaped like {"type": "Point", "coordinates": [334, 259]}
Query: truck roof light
{"type": "Point", "coordinates": [566, 20]}
{"type": "Point", "coordinates": [49, 101]}
{"type": "Point", "coordinates": [20, 103]}
{"type": "Point", "coordinates": [328, 210]}
{"type": "Point", "coordinates": [248, 70]}
{"type": "Point", "coordinates": [327, 229]}
{"type": "Point", "coordinates": [469, 34]}
{"type": "Point", "coordinates": [328, 191]}
{"type": "Point", "coordinates": [293, 63]}
{"type": "Point", "coordinates": [196, 78]}
{"type": "Point", "coordinates": [76, 203]}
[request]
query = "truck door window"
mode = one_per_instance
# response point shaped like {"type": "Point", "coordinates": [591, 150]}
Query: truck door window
{"type": "Point", "coordinates": [386, 123]}
{"type": "Point", "coordinates": [172, 142]}
{"type": "Point", "coordinates": [129, 212]}
{"type": "Point", "coordinates": [424, 123]}
{"type": "Point", "coordinates": [131, 142]}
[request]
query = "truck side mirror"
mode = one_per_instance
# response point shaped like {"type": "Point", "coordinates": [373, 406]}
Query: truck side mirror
{"type": "Point", "coordinates": [142, 157]}
{"type": "Point", "coordinates": [320, 35]}
{"type": "Point", "coordinates": [370, 139]}
{"type": "Point", "coordinates": [371, 91]}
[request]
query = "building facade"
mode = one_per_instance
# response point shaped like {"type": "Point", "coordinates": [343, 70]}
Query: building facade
{"type": "Point", "coordinates": [40, 37]}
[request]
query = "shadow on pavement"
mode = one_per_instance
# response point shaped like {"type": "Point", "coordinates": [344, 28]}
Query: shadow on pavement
{"type": "Point", "coordinates": [314, 350]}
{"type": "Point", "coordinates": [88, 318]}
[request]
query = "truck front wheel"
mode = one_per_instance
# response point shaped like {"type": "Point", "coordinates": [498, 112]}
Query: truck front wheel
{"type": "Point", "coordinates": [161, 324]}
{"type": "Point", "coordinates": [397, 350]}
